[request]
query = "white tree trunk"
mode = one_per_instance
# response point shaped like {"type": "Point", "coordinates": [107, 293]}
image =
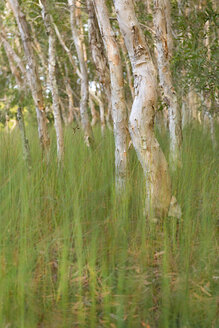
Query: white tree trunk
{"type": "Point", "coordinates": [141, 122]}
{"type": "Point", "coordinates": [119, 113]}
{"type": "Point", "coordinates": [32, 73]}
{"type": "Point", "coordinates": [53, 82]}
{"type": "Point", "coordinates": [164, 41]}
{"type": "Point", "coordinates": [74, 6]}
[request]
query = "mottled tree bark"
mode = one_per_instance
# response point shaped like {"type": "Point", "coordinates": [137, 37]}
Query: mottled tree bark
{"type": "Point", "coordinates": [53, 82]}
{"type": "Point", "coordinates": [141, 122]}
{"type": "Point", "coordinates": [164, 45]}
{"type": "Point", "coordinates": [117, 92]}
{"type": "Point", "coordinates": [32, 73]}
{"type": "Point", "coordinates": [74, 6]}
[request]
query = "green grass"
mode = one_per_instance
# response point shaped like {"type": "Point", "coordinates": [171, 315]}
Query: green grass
{"type": "Point", "coordinates": [74, 255]}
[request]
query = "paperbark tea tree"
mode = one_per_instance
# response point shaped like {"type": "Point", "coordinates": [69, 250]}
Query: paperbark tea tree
{"type": "Point", "coordinates": [52, 81]}
{"type": "Point", "coordinates": [119, 112]}
{"type": "Point", "coordinates": [141, 120]}
{"type": "Point", "coordinates": [74, 7]}
{"type": "Point", "coordinates": [32, 73]}
{"type": "Point", "coordinates": [164, 47]}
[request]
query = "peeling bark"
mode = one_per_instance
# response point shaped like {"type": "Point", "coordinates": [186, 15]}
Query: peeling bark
{"type": "Point", "coordinates": [117, 93]}
{"type": "Point", "coordinates": [141, 121]}
{"type": "Point", "coordinates": [164, 45]}
{"type": "Point", "coordinates": [32, 73]}
{"type": "Point", "coordinates": [74, 6]}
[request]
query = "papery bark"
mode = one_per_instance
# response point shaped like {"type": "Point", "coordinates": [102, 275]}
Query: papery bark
{"type": "Point", "coordinates": [119, 112]}
{"type": "Point", "coordinates": [141, 121]}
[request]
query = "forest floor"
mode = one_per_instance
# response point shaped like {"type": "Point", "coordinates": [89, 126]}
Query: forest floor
{"type": "Point", "coordinates": [73, 254]}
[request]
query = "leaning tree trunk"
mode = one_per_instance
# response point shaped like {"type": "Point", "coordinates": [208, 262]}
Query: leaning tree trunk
{"type": "Point", "coordinates": [15, 62]}
{"type": "Point", "coordinates": [67, 50]}
{"type": "Point", "coordinates": [74, 6]}
{"type": "Point", "coordinates": [141, 122]}
{"type": "Point", "coordinates": [53, 82]}
{"type": "Point", "coordinates": [164, 44]}
{"type": "Point", "coordinates": [14, 69]}
{"type": "Point", "coordinates": [117, 92]}
{"type": "Point", "coordinates": [32, 73]}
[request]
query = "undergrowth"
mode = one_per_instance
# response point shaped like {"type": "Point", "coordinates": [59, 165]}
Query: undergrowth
{"type": "Point", "coordinates": [73, 254]}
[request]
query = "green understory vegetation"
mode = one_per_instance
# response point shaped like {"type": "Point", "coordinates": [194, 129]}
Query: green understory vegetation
{"type": "Point", "coordinates": [75, 254]}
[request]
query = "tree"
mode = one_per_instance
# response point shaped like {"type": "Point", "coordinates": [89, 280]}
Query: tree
{"type": "Point", "coordinates": [25, 142]}
{"type": "Point", "coordinates": [99, 59]}
{"type": "Point", "coordinates": [141, 121]}
{"type": "Point", "coordinates": [32, 73]}
{"type": "Point", "coordinates": [164, 47]}
{"type": "Point", "coordinates": [53, 82]}
{"type": "Point", "coordinates": [15, 62]}
{"type": "Point", "coordinates": [74, 7]}
{"type": "Point", "coordinates": [119, 112]}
